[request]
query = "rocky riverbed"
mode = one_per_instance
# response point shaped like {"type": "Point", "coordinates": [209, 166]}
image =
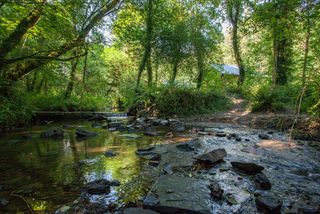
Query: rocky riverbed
{"type": "Point", "coordinates": [217, 169]}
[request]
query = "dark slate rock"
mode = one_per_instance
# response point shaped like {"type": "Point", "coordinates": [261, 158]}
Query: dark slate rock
{"type": "Point", "coordinates": [151, 200]}
{"type": "Point", "coordinates": [55, 133]}
{"type": "Point", "coordinates": [146, 149]}
{"type": "Point", "coordinates": [238, 139]}
{"type": "Point", "coordinates": [301, 207]}
{"type": "Point", "coordinates": [221, 134]}
{"type": "Point", "coordinates": [185, 147]}
{"type": "Point", "coordinates": [83, 133]}
{"type": "Point", "coordinates": [110, 153]}
{"type": "Point", "coordinates": [214, 156]}
{"type": "Point", "coordinates": [138, 211]}
{"type": "Point", "coordinates": [153, 163]}
{"type": "Point", "coordinates": [262, 182]}
{"type": "Point", "coordinates": [4, 202]}
{"type": "Point", "coordinates": [216, 190]}
{"type": "Point", "coordinates": [151, 156]}
{"type": "Point", "coordinates": [247, 168]}
{"type": "Point", "coordinates": [268, 203]}
{"type": "Point", "coordinates": [100, 187]}
{"type": "Point", "coordinates": [264, 137]}
{"type": "Point", "coordinates": [167, 168]}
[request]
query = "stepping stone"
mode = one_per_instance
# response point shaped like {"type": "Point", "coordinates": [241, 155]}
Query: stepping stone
{"type": "Point", "coordinates": [214, 156]}
{"type": "Point", "coordinates": [247, 168]}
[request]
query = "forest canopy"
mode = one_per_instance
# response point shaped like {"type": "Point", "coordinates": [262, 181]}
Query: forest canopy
{"type": "Point", "coordinates": [88, 55]}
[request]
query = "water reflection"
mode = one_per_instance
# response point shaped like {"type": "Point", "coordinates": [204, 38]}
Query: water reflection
{"type": "Point", "coordinates": [49, 173]}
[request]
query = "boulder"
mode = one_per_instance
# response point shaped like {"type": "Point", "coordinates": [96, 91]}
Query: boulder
{"type": "Point", "coordinates": [264, 137]}
{"type": "Point", "coordinates": [100, 187]}
{"type": "Point", "coordinates": [55, 133]}
{"type": "Point", "coordinates": [268, 203]}
{"type": "Point", "coordinates": [247, 168]}
{"type": "Point", "coordinates": [301, 207]}
{"type": "Point", "coordinates": [83, 133]}
{"type": "Point", "coordinates": [147, 155]}
{"type": "Point", "coordinates": [214, 156]}
{"type": "Point", "coordinates": [177, 127]}
{"type": "Point", "coordinates": [262, 182]}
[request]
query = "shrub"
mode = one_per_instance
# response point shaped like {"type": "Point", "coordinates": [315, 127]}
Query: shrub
{"type": "Point", "coordinates": [175, 101]}
{"type": "Point", "coordinates": [14, 111]}
{"type": "Point", "coordinates": [271, 99]}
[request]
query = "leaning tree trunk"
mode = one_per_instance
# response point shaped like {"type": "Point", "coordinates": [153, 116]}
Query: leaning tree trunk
{"type": "Point", "coordinates": [20, 31]}
{"type": "Point", "coordinates": [12, 74]}
{"type": "Point", "coordinates": [147, 48]}
{"type": "Point", "coordinates": [306, 51]}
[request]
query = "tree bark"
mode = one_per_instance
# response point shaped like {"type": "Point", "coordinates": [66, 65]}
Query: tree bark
{"type": "Point", "coordinates": [200, 61]}
{"type": "Point", "coordinates": [149, 71]}
{"type": "Point", "coordinates": [147, 48]}
{"type": "Point", "coordinates": [175, 71]}
{"type": "Point", "coordinates": [306, 48]}
{"type": "Point", "coordinates": [19, 32]}
{"type": "Point", "coordinates": [234, 18]}
{"type": "Point", "coordinates": [69, 89]}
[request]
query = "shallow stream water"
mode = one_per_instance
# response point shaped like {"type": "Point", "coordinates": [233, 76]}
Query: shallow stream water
{"type": "Point", "coordinates": [50, 173]}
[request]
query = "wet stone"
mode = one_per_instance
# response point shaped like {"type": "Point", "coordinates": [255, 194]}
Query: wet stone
{"type": "Point", "coordinates": [167, 168]}
{"type": "Point", "coordinates": [55, 133]}
{"type": "Point", "coordinates": [83, 133]}
{"type": "Point", "coordinates": [185, 147]}
{"type": "Point", "coordinates": [150, 134]}
{"type": "Point", "coordinates": [186, 194]}
{"type": "Point", "coordinates": [247, 168]}
{"type": "Point", "coordinates": [110, 154]}
{"type": "Point", "coordinates": [221, 134]}
{"type": "Point", "coordinates": [264, 137]}
{"type": "Point", "coordinates": [151, 200]}
{"type": "Point", "coordinates": [262, 182]}
{"type": "Point", "coordinates": [138, 211]}
{"type": "Point", "coordinates": [301, 207]}
{"type": "Point", "coordinates": [147, 155]}
{"type": "Point", "coordinates": [100, 187]}
{"type": "Point", "coordinates": [4, 202]}
{"type": "Point", "coordinates": [216, 190]}
{"type": "Point", "coordinates": [268, 203]}
{"type": "Point", "coordinates": [145, 149]}
{"type": "Point", "coordinates": [63, 210]}
{"type": "Point", "coordinates": [214, 156]}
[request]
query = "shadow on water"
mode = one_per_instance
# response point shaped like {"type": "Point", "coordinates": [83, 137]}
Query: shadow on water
{"type": "Point", "coordinates": [49, 173]}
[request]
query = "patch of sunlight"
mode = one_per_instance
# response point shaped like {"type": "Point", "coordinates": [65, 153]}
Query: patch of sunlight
{"type": "Point", "coordinates": [276, 145]}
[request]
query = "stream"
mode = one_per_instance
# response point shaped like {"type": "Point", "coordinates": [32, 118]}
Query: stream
{"type": "Point", "coordinates": [49, 175]}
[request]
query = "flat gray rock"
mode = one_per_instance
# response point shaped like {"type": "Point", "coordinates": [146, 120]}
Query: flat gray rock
{"type": "Point", "coordinates": [138, 211]}
{"type": "Point", "coordinates": [185, 194]}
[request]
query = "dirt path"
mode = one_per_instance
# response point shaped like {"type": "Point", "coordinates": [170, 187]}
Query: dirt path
{"type": "Point", "coordinates": [239, 115]}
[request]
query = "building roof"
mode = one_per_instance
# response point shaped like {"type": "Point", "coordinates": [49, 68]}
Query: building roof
{"type": "Point", "coordinates": [226, 69]}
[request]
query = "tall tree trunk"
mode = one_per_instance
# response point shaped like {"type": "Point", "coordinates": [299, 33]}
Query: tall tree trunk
{"type": "Point", "coordinates": [200, 68]}
{"type": "Point", "coordinates": [72, 78]}
{"type": "Point", "coordinates": [22, 28]}
{"type": "Point", "coordinates": [149, 71]}
{"type": "Point", "coordinates": [175, 71]}
{"type": "Point", "coordinates": [34, 81]}
{"type": "Point", "coordinates": [233, 15]}
{"type": "Point", "coordinates": [147, 48]}
{"type": "Point", "coordinates": [306, 49]}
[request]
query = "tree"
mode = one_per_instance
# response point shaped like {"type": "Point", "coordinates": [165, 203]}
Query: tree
{"type": "Point", "coordinates": [234, 10]}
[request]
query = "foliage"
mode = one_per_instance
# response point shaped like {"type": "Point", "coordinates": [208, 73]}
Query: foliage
{"type": "Point", "coordinates": [272, 99]}
{"type": "Point", "coordinates": [15, 112]}
{"type": "Point", "coordinates": [182, 101]}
